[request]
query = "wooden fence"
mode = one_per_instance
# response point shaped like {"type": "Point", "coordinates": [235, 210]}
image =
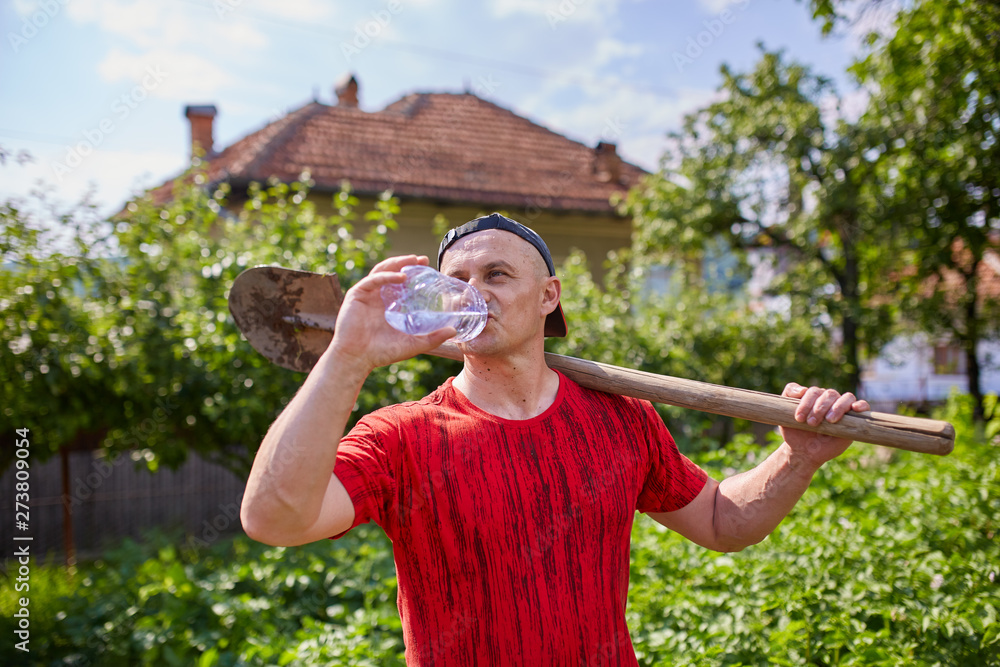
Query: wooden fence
{"type": "Point", "coordinates": [112, 499]}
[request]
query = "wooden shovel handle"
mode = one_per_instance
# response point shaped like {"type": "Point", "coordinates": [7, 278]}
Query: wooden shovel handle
{"type": "Point", "coordinates": [289, 316]}
{"type": "Point", "coordinates": [927, 436]}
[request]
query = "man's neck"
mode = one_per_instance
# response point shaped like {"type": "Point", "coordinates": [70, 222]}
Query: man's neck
{"type": "Point", "coordinates": [512, 387]}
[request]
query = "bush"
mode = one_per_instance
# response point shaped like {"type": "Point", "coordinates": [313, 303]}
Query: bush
{"type": "Point", "coordinates": [885, 561]}
{"type": "Point", "coordinates": [880, 563]}
{"type": "Point", "coordinates": [688, 331]}
{"type": "Point", "coordinates": [235, 603]}
{"type": "Point", "coordinates": [122, 329]}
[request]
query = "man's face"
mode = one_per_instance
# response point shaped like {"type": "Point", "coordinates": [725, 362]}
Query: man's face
{"type": "Point", "coordinates": [513, 280]}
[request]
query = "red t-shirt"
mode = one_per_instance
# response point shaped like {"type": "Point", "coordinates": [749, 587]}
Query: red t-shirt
{"type": "Point", "coordinates": [511, 538]}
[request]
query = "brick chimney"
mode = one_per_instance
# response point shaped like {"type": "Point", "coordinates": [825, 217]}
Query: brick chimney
{"type": "Point", "coordinates": [607, 163]}
{"type": "Point", "coordinates": [201, 118]}
{"type": "Point", "coordinates": [347, 91]}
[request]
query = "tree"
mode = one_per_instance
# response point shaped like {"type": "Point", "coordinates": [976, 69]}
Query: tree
{"type": "Point", "coordinates": [935, 91]}
{"type": "Point", "coordinates": [118, 332]}
{"type": "Point", "coordinates": [775, 167]}
{"type": "Point", "coordinates": [715, 336]}
{"type": "Point", "coordinates": [50, 261]}
{"type": "Point", "coordinates": [832, 13]}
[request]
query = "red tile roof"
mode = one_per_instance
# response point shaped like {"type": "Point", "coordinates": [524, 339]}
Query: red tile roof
{"type": "Point", "coordinates": [441, 146]}
{"type": "Point", "coordinates": [954, 283]}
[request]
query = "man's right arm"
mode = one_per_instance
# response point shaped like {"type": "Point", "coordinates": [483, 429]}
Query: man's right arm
{"type": "Point", "coordinates": [292, 496]}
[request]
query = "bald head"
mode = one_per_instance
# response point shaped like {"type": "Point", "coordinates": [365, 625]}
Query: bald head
{"type": "Point", "coordinates": [493, 247]}
{"type": "Point", "coordinates": [494, 241]}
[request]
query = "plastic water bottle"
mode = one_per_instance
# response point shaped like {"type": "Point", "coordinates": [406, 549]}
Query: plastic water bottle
{"type": "Point", "coordinates": [430, 300]}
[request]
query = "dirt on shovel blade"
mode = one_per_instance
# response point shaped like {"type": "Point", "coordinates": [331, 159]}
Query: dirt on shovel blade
{"type": "Point", "coordinates": [270, 304]}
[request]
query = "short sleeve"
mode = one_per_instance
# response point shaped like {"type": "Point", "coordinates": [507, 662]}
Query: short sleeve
{"type": "Point", "coordinates": [364, 466]}
{"type": "Point", "coordinates": [672, 479]}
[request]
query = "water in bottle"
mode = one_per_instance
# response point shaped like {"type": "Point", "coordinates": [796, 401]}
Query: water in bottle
{"type": "Point", "coordinates": [430, 300]}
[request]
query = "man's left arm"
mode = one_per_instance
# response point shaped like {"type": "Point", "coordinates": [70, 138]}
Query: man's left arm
{"type": "Point", "coordinates": [744, 509]}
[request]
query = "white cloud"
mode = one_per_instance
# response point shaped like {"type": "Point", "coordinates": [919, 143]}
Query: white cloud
{"type": "Point", "coordinates": [719, 6]}
{"type": "Point", "coordinates": [144, 22]}
{"type": "Point", "coordinates": [150, 23]}
{"type": "Point", "coordinates": [24, 7]}
{"type": "Point", "coordinates": [200, 46]}
{"type": "Point", "coordinates": [636, 120]}
{"type": "Point", "coordinates": [609, 49]}
{"type": "Point", "coordinates": [609, 108]}
{"type": "Point", "coordinates": [166, 73]}
{"type": "Point", "coordinates": [242, 35]}
{"type": "Point", "coordinates": [304, 11]}
{"type": "Point", "coordinates": [507, 7]}
{"type": "Point", "coordinates": [557, 11]}
{"type": "Point", "coordinates": [28, 8]}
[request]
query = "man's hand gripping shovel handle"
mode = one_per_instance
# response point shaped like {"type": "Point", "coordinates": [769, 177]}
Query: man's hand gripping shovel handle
{"type": "Point", "coordinates": [289, 317]}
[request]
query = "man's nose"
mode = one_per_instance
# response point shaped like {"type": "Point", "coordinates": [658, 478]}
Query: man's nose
{"type": "Point", "coordinates": [480, 286]}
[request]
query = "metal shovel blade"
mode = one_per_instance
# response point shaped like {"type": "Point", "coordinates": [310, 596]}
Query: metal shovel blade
{"type": "Point", "coordinates": [286, 315]}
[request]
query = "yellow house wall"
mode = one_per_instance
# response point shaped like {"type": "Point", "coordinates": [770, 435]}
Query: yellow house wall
{"type": "Point", "coordinates": [594, 234]}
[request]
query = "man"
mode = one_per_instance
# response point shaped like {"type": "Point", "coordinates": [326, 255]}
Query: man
{"type": "Point", "coordinates": [509, 492]}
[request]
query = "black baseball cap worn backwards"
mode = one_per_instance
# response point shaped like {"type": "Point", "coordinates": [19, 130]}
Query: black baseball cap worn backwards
{"type": "Point", "coordinates": [555, 322]}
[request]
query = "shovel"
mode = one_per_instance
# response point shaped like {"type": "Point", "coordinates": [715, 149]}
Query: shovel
{"type": "Point", "coordinates": [289, 317]}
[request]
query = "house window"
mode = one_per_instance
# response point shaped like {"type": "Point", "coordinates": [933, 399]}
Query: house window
{"type": "Point", "coordinates": [949, 360]}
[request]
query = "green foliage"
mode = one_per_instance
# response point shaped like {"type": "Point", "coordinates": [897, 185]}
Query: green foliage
{"type": "Point", "coordinates": [881, 563]}
{"type": "Point", "coordinates": [767, 171]}
{"type": "Point", "coordinates": [936, 100]}
{"type": "Point", "coordinates": [55, 369]}
{"type": "Point", "coordinates": [121, 328]}
{"type": "Point", "coordinates": [835, 13]}
{"type": "Point", "coordinates": [238, 603]}
{"type": "Point", "coordinates": [887, 560]}
{"type": "Point", "coordinates": [715, 337]}
{"type": "Point", "coordinates": [878, 225]}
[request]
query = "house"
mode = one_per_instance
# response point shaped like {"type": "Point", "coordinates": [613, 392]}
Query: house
{"type": "Point", "coordinates": [920, 369]}
{"type": "Point", "coordinates": [451, 154]}
{"type": "Point", "coordinates": [915, 368]}
{"type": "Point", "coordinates": [455, 155]}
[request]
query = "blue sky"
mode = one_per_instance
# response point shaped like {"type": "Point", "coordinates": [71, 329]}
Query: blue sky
{"type": "Point", "coordinates": [95, 89]}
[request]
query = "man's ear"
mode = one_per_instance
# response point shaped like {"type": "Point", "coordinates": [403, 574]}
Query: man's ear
{"type": "Point", "coordinates": [550, 297]}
